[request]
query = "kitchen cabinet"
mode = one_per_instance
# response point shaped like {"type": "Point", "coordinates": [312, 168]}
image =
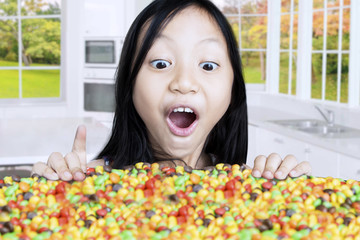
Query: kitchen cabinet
{"type": "Point", "coordinates": [349, 167]}
{"type": "Point", "coordinates": [324, 162]}
{"type": "Point", "coordinates": [106, 18]}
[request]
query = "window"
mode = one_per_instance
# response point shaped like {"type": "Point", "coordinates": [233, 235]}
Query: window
{"type": "Point", "coordinates": [30, 34]}
{"type": "Point", "coordinates": [330, 50]}
{"type": "Point", "coordinates": [248, 19]}
{"type": "Point", "coordinates": [288, 46]}
{"type": "Point", "coordinates": [299, 48]}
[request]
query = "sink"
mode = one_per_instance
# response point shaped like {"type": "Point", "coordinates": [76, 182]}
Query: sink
{"type": "Point", "coordinates": [319, 128]}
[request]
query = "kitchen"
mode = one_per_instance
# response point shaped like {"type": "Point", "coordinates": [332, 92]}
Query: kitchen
{"type": "Point", "coordinates": [32, 128]}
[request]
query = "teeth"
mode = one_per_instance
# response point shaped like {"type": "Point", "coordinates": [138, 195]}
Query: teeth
{"type": "Point", "coordinates": [181, 109]}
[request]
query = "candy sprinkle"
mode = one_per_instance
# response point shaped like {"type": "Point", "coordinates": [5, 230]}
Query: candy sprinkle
{"type": "Point", "coordinates": [146, 201]}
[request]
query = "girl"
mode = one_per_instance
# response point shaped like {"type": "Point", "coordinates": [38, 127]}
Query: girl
{"type": "Point", "coordinates": [180, 98]}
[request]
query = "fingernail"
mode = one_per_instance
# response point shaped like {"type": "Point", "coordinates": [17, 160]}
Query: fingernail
{"type": "Point", "coordinates": [79, 175]}
{"type": "Point", "coordinates": [279, 174]}
{"type": "Point", "coordinates": [256, 173]}
{"type": "Point", "coordinates": [67, 175]}
{"type": "Point", "coordinates": [51, 176]}
{"type": "Point", "coordinates": [293, 173]}
{"type": "Point", "coordinates": [268, 175]}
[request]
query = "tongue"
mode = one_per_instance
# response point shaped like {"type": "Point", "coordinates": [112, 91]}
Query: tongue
{"type": "Point", "coordinates": [182, 119]}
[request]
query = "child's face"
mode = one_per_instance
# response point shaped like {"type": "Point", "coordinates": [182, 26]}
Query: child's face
{"type": "Point", "coordinates": [184, 85]}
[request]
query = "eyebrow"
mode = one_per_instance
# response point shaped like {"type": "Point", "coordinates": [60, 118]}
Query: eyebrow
{"type": "Point", "coordinates": [205, 40]}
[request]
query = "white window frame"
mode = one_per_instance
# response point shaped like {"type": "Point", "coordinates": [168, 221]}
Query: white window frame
{"type": "Point", "coordinates": [19, 18]}
{"type": "Point", "coordinates": [304, 47]}
{"type": "Point", "coordinates": [69, 104]}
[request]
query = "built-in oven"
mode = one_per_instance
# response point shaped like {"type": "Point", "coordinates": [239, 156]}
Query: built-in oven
{"type": "Point", "coordinates": [101, 58]}
{"type": "Point", "coordinates": [102, 52]}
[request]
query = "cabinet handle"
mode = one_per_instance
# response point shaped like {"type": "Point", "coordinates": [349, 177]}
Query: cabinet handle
{"type": "Point", "coordinates": [358, 172]}
{"type": "Point", "coordinates": [278, 140]}
{"type": "Point", "coordinates": [307, 150]}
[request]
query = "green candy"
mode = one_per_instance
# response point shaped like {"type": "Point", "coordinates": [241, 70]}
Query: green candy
{"type": "Point", "coordinates": [180, 181]}
{"type": "Point", "coordinates": [10, 191]}
{"type": "Point", "coordinates": [100, 180]}
{"type": "Point", "coordinates": [10, 236]}
{"type": "Point", "coordinates": [245, 234]}
{"type": "Point", "coordinates": [126, 234]}
{"type": "Point", "coordinates": [300, 234]}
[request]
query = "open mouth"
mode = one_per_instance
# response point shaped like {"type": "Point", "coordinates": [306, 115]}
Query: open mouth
{"type": "Point", "coordinates": [182, 117]}
{"type": "Point", "coordinates": [182, 121]}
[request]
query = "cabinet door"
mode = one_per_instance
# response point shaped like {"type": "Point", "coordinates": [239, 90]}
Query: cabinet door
{"type": "Point", "coordinates": [252, 152]}
{"type": "Point", "coordinates": [324, 163]}
{"type": "Point", "coordinates": [268, 142]}
{"type": "Point", "coordinates": [349, 167]}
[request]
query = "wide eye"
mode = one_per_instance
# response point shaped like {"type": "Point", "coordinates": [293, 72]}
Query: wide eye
{"type": "Point", "coordinates": [160, 64]}
{"type": "Point", "coordinates": [209, 66]}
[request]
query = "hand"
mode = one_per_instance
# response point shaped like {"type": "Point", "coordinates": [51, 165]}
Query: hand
{"type": "Point", "coordinates": [274, 166]}
{"type": "Point", "coordinates": [72, 166]}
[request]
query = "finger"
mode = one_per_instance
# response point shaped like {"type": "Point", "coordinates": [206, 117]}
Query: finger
{"type": "Point", "coordinates": [57, 162]}
{"type": "Point", "coordinates": [42, 169]}
{"type": "Point", "coordinates": [272, 164]}
{"type": "Point", "coordinates": [300, 169]}
{"type": "Point", "coordinates": [73, 163]}
{"type": "Point", "coordinates": [79, 146]}
{"type": "Point", "coordinates": [286, 166]}
{"type": "Point", "coordinates": [259, 165]}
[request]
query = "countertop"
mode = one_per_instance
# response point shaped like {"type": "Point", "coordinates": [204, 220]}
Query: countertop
{"type": "Point", "coordinates": [26, 141]}
{"type": "Point", "coordinates": [260, 117]}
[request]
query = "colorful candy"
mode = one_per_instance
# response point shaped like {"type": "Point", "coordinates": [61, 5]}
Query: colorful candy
{"type": "Point", "coordinates": [146, 201]}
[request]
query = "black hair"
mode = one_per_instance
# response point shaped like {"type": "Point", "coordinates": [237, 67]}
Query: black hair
{"type": "Point", "coordinates": [128, 143]}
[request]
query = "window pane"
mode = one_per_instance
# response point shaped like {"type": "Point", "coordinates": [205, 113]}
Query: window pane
{"type": "Point", "coordinates": [332, 29]}
{"type": "Point", "coordinates": [284, 73]}
{"type": "Point", "coordinates": [234, 23]}
{"type": "Point", "coordinates": [318, 28]}
{"type": "Point", "coordinates": [333, 3]}
{"type": "Point", "coordinates": [347, 2]}
{"type": "Point", "coordinates": [8, 43]}
{"type": "Point", "coordinates": [229, 6]}
{"type": "Point", "coordinates": [253, 32]}
{"type": "Point", "coordinates": [41, 83]}
{"type": "Point", "coordinates": [9, 84]}
{"type": "Point", "coordinates": [344, 90]}
{"type": "Point", "coordinates": [346, 29]}
{"type": "Point", "coordinates": [284, 31]}
{"type": "Point", "coordinates": [40, 7]}
{"type": "Point", "coordinates": [254, 66]}
{"type": "Point", "coordinates": [331, 77]}
{"type": "Point", "coordinates": [286, 5]}
{"type": "Point", "coordinates": [316, 76]}
{"type": "Point", "coordinates": [293, 74]}
{"type": "Point", "coordinates": [41, 42]}
{"type": "Point", "coordinates": [8, 8]}
{"type": "Point", "coordinates": [318, 4]}
{"type": "Point", "coordinates": [253, 6]}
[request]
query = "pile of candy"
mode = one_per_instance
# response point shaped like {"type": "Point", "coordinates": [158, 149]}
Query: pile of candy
{"type": "Point", "coordinates": [146, 202]}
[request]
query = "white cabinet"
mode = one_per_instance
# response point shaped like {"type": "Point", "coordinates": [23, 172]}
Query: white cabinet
{"type": "Point", "coordinates": [324, 163]}
{"type": "Point", "coordinates": [107, 18]}
{"type": "Point", "coordinates": [349, 167]}
{"type": "Point", "coordinates": [268, 142]}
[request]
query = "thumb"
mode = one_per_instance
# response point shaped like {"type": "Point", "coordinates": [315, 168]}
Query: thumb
{"type": "Point", "coordinates": [79, 146]}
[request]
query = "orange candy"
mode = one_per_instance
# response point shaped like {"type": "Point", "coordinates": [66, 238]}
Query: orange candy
{"type": "Point", "coordinates": [114, 178]}
{"type": "Point", "coordinates": [24, 186]}
{"type": "Point", "coordinates": [195, 178]}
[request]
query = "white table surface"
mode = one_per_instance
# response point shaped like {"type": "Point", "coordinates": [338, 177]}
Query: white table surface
{"type": "Point", "coordinates": [26, 141]}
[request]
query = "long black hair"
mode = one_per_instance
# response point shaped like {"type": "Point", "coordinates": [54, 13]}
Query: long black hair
{"type": "Point", "coordinates": [128, 143]}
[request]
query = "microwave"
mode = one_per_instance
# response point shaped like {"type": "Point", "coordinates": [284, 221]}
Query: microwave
{"type": "Point", "coordinates": [102, 52]}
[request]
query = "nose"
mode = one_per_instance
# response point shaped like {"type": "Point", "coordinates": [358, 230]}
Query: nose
{"type": "Point", "coordinates": [184, 81]}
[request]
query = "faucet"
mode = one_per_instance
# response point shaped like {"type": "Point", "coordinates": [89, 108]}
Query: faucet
{"type": "Point", "coordinates": [329, 116]}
